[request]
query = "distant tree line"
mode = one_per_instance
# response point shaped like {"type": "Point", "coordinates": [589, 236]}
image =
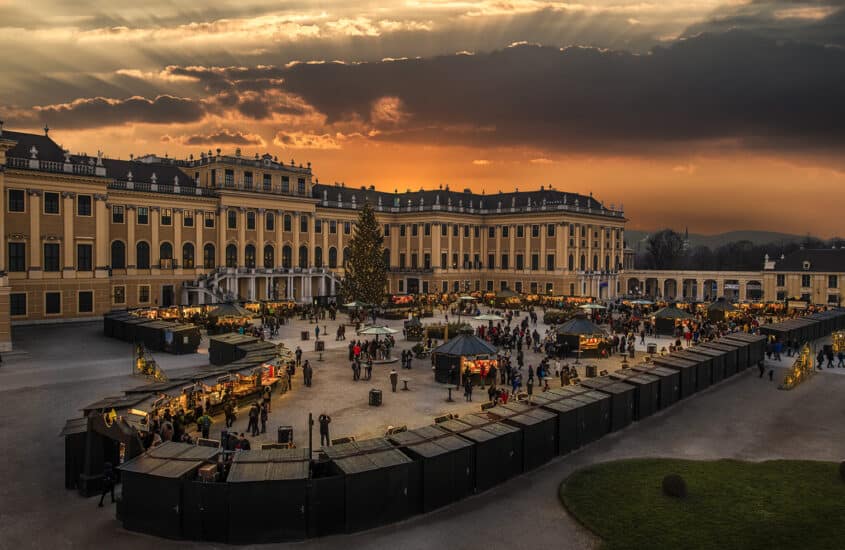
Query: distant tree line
{"type": "Point", "coordinates": [666, 249]}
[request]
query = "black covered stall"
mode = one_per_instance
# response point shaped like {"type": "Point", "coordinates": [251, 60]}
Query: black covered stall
{"type": "Point", "coordinates": [704, 370]}
{"type": "Point", "coordinates": [539, 431]}
{"type": "Point", "coordinates": [579, 333]}
{"type": "Point", "coordinates": [717, 361]}
{"type": "Point", "coordinates": [666, 319]}
{"type": "Point", "coordinates": [731, 355]}
{"type": "Point", "coordinates": [449, 358]}
{"type": "Point", "coordinates": [223, 348]}
{"type": "Point", "coordinates": [646, 391]}
{"type": "Point", "coordinates": [621, 399]}
{"type": "Point", "coordinates": [498, 449]}
{"type": "Point", "coordinates": [670, 383]}
{"type": "Point", "coordinates": [687, 369]}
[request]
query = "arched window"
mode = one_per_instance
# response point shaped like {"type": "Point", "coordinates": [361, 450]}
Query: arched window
{"type": "Point", "coordinates": [385, 257]}
{"type": "Point", "coordinates": [318, 256]}
{"type": "Point", "coordinates": [249, 252]}
{"type": "Point", "coordinates": [231, 255]}
{"type": "Point", "coordinates": [165, 251]}
{"type": "Point", "coordinates": [332, 257]}
{"type": "Point", "coordinates": [269, 256]}
{"type": "Point", "coordinates": [303, 256]}
{"type": "Point", "coordinates": [188, 255]}
{"type": "Point", "coordinates": [208, 260]}
{"type": "Point", "coordinates": [571, 262]}
{"type": "Point", "coordinates": [118, 255]}
{"type": "Point", "coordinates": [287, 257]}
{"type": "Point", "coordinates": [142, 255]}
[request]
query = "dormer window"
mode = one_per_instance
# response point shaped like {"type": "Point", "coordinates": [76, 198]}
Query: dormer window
{"type": "Point", "coordinates": [806, 265]}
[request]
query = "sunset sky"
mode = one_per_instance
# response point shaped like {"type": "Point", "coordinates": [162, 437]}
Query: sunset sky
{"type": "Point", "coordinates": [715, 115]}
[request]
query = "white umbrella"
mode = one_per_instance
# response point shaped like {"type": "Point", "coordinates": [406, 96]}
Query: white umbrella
{"type": "Point", "coordinates": [467, 298]}
{"type": "Point", "coordinates": [376, 330]}
{"type": "Point", "coordinates": [489, 317]}
{"type": "Point", "coordinates": [356, 303]}
{"type": "Point", "coordinates": [642, 302]}
{"type": "Point", "coordinates": [592, 306]}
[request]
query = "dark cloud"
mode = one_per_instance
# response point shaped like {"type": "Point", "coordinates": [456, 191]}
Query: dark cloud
{"type": "Point", "coordinates": [222, 137]}
{"type": "Point", "coordinates": [100, 111]}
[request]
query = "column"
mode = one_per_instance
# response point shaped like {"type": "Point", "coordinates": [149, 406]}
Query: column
{"type": "Point", "coordinates": [4, 318]}
{"type": "Point", "coordinates": [408, 245]}
{"type": "Point", "coordinates": [129, 217]}
{"type": "Point", "coordinates": [512, 248]}
{"type": "Point", "coordinates": [394, 245]}
{"type": "Point", "coordinates": [177, 241]}
{"type": "Point", "coordinates": [435, 246]}
{"type": "Point", "coordinates": [340, 227]}
{"type": "Point", "coordinates": [326, 244]}
{"type": "Point", "coordinates": [67, 236]}
{"type": "Point", "coordinates": [35, 252]}
{"type": "Point", "coordinates": [241, 237]}
{"type": "Point", "coordinates": [312, 240]}
{"type": "Point", "coordinates": [543, 252]}
{"type": "Point", "coordinates": [560, 250]}
{"type": "Point", "coordinates": [280, 221]}
{"type": "Point", "coordinates": [497, 260]}
{"type": "Point", "coordinates": [526, 255]}
{"type": "Point", "coordinates": [294, 255]}
{"type": "Point", "coordinates": [155, 220]}
{"type": "Point", "coordinates": [461, 247]}
{"type": "Point", "coordinates": [102, 235]}
{"type": "Point", "coordinates": [220, 256]}
{"type": "Point", "coordinates": [199, 251]}
{"type": "Point", "coordinates": [259, 236]}
{"type": "Point", "coordinates": [251, 288]}
{"type": "Point", "coordinates": [699, 294]}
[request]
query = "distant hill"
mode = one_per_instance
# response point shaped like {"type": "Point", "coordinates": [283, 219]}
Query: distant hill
{"type": "Point", "coordinates": [634, 238]}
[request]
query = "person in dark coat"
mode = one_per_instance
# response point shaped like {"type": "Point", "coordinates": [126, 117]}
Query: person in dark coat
{"type": "Point", "coordinates": [263, 415]}
{"type": "Point", "coordinates": [252, 427]}
{"type": "Point", "coordinates": [325, 420]}
{"type": "Point", "coordinates": [394, 379]}
{"type": "Point", "coordinates": [108, 483]}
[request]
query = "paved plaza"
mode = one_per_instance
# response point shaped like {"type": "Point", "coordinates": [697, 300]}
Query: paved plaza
{"type": "Point", "coordinates": [55, 370]}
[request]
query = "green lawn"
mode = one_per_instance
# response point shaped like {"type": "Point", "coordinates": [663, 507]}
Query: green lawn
{"type": "Point", "coordinates": [730, 504]}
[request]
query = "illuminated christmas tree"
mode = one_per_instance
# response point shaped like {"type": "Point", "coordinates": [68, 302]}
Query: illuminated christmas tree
{"type": "Point", "coordinates": [365, 277]}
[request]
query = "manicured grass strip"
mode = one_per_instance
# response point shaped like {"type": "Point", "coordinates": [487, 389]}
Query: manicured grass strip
{"type": "Point", "coordinates": [731, 504]}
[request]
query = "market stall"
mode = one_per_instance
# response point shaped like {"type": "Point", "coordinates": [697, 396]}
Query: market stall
{"type": "Point", "coordinates": [581, 334]}
{"type": "Point", "coordinates": [464, 354]}
{"type": "Point", "coordinates": [228, 317]}
{"type": "Point", "coordinates": [722, 310]}
{"type": "Point", "coordinates": [507, 298]}
{"type": "Point", "coordinates": [667, 320]}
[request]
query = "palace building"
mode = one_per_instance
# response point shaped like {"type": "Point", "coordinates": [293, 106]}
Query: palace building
{"type": "Point", "coordinates": [86, 234]}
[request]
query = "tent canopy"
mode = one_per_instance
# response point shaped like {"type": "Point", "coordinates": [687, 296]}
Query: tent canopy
{"type": "Point", "coordinates": [721, 305]}
{"type": "Point", "coordinates": [579, 325]}
{"type": "Point", "coordinates": [376, 330]}
{"type": "Point", "coordinates": [671, 312]}
{"type": "Point", "coordinates": [466, 345]}
{"type": "Point", "coordinates": [229, 309]}
{"type": "Point", "coordinates": [506, 293]}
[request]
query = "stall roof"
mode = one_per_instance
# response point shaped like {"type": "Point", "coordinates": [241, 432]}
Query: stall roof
{"type": "Point", "coordinates": [372, 461]}
{"type": "Point", "coordinates": [159, 387]}
{"type": "Point", "coordinates": [671, 312]}
{"type": "Point", "coordinates": [466, 345]}
{"type": "Point", "coordinates": [269, 465]}
{"type": "Point", "coordinates": [172, 460]}
{"type": "Point", "coordinates": [117, 402]}
{"type": "Point", "coordinates": [75, 426]}
{"type": "Point", "coordinates": [579, 325]}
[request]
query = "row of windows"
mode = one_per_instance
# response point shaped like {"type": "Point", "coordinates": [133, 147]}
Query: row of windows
{"type": "Point", "coordinates": [52, 303]}
{"type": "Point", "coordinates": [51, 254]}
{"type": "Point", "coordinates": [491, 230]}
{"type": "Point", "coordinates": [52, 202]}
{"type": "Point", "coordinates": [266, 181]}
{"type": "Point", "coordinates": [475, 262]}
{"type": "Point", "coordinates": [458, 286]}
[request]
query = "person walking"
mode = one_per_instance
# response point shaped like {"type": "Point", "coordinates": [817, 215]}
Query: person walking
{"type": "Point", "coordinates": [369, 368]}
{"type": "Point", "coordinates": [267, 394]}
{"type": "Point", "coordinates": [325, 420]}
{"type": "Point", "coordinates": [307, 372]}
{"type": "Point", "coordinates": [298, 355]}
{"type": "Point", "coordinates": [204, 422]}
{"type": "Point", "coordinates": [229, 412]}
{"type": "Point", "coordinates": [108, 483]}
{"type": "Point", "coordinates": [263, 417]}
{"type": "Point", "coordinates": [394, 379]}
{"type": "Point", "coordinates": [468, 387]}
{"type": "Point", "coordinates": [841, 357]}
{"type": "Point", "coordinates": [252, 427]}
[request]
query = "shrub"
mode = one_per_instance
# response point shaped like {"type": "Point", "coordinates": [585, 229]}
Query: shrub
{"type": "Point", "coordinates": [842, 470]}
{"type": "Point", "coordinates": [674, 486]}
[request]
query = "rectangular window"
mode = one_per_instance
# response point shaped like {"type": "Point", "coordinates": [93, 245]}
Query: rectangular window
{"type": "Point", "coordinates": [83, 205]}
{"type": "Point", "coordinates": [518, 286]}
{"type": "Point", "coordinates": [51, 257]}
{"type": "Point", "coordinates": [229, 178]}
{"type": "Point", "coordinates": [119, 295]}
{"type": "Point", "coordinates": [250, 221]}
{"type": "Point", "coordinates": [550, 288]}
{"type": "Point", "coordinates": [414, 260]}
{"type": "Point", "coordinates": [505, 231]}
{"type": "Point", "coordinates": [209, 220]}
{"type": "Point", "coordinates": [535, 231]}
{"type": "Point", "coordinates": [16, 201]}
{"type": "Point", "coordinates": [288, 224]}
{"type": "Point", "coordinates": [401, 285]}
{"type": "Point", "coordinates": [386, 229]}
{"type": "Point", "coordinates": [454, 230]}
{"type": "Point", "coordinates": [427, 229]}
{"type": "Point", "coordinates": [489, 285]}
{"type": "Point", "coordinates": [465, 263]}
{"type": "Point", "coordinates": [445, 287]}
{"type": "Point", "coordinates": [285, 184]}
{"type": "Point", "coordinates": [86, 301]}
{"type": "Point", "coordinates": [402, 230]}
{"type": "Point", "coordinates": [520, 231]}
{"type": "Point", "coordinates": [504, 264]}
{"type": "Point", "coordinates": [491, 261]}
{"type": "Point", "coordinates": [414, 230]}
{"type": "Point", "coordinates": [503, 285]}
{"type": "Point", "coordinates": [444, 260]}
{"type": "Point", "coordinates": [491, 232]}
{"type": "Point", "coordinates": [781, 295]}
{"type": "Point", "coordinates": [444, 228]}
{"type": "Point", "coordinates": [805, 280]}
{"type": "Point", "coordinates": [53, 303]}
{"type": "Point", "coordinates": [550, 262]}
{"type": "Point", "coordinates": [144, 294]}
{"type": "Point", "coordinates": [781, 280]}
{"type": "Point", "coordinates": [318, 225]}
{"type": "Point", "coordinates": [347, 228]}
{"type": "Point", "coordinates": [231, 219]}
{"type": "Point", "coordinates": [213, 177]}
{"type": "Point", "coordinates": [248, 180]}
{"type": "Point", "coordinates": [520, 262]}
{"type": "Point", "coordinates": [188, 218]}
{"type": "Point", "coordinates": [550, 230]}
{"type": "Point", "coordinates": [475, 231]}
{"type": "Point", "coordinates": [269, 221]}
{"type": "Point", "coordinates": [332, 227]}
{"type": "Point", "coordinates": [300, 186]}
{"type": "Point", "coordinates": [535, 262]}
{"type": "Point", "coordinates": [832, 281]}
{"type": "Point", "coordinates": [401, 260]}
{"type": "Point", "coordinates": [166, 216]}
{"type": "Point", "coordinates": [476, 261]}
{"type": "Point", "coordinates": [268, 182]}
{"type": "Point", "coordinates": [303, 224]}
{"type": "Point", "coordinates": [84, 257]}
{"type": "Point", "coordinates": [51, 203]}
{"type": "Point", "coordinates": [466, 231]}
{"type": "Point", "coordinates": [427, 260]}
{"type": "Point", "coordinates": [17, 256]}
{"type": "Point", "coordinates": [533, 287]}
{"type": "Point", "coordinates": [143, 215]}
{"type": "Point", "coordinates": [17, 303]}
